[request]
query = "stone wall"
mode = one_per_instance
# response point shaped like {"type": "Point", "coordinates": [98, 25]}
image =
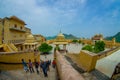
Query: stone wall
{"type": "Point", "coordinates": [87, 60]}
{"type": "Point", "coordinates": [15, 57]}
{"type": "Point", "coordinates": [65, 70]}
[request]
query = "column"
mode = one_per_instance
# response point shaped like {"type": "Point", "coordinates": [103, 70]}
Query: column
{"type": "Point", "coordinates": [64, 46]}
{"type": "Point", "coordinates": [23, 47]}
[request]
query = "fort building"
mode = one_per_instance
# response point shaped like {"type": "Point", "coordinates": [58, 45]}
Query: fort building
{"type": "Point", "coordinates": [16, 38]}
{"type": "Point", "coordinates": [14, 31]}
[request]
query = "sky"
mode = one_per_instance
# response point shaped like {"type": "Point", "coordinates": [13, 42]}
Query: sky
{"type": "Point", "coordinates": [82, 18]}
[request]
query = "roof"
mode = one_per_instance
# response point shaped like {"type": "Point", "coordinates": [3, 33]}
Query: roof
{"type": "Point", "coordinates": [60, 34]}
{"type": "Point", "coordinates": [60, 43]}
{"type": "Point", "coordinates": [97, 37]}
{"type": "Point", "coordinates": [30, 43]}
{"type": "Point", "coordinates": [16, 18]}
{"type": "Point", "coordinates": [30, 39]}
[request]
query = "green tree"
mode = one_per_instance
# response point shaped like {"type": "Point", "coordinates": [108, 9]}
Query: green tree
{"type": "Point", "coordinates": [45, 48]}
{"type": "Point", "coordinates": [87, 47]}
{"type": "Point", "coordinates": [57, 48]}
{"type": "Point", "coordinates": [99, 46]}
{"type": "Point", "coordinates": [79, 41]}
{"type": "Point", "coordinates": [74, 41]}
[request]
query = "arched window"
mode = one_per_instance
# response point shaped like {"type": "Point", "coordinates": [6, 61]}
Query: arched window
{"type": "Point", "coordinates": [21, 27]}
{"type": "Point", "coordinates": [15, 25]}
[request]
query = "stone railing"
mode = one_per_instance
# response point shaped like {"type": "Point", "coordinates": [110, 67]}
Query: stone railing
{"type": "Point", "coordinates": [107, 53]}
{"type": "Point", "coordinates": [65, 70]}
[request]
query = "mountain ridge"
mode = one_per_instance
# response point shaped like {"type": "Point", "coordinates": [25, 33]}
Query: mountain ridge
{"type": "Point", "coordinates": [116, 36]}
{"type": "Point", "coordinates": [67, 36]}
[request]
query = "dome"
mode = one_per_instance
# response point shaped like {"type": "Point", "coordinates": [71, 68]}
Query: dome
{"type": "Point", "coordinates": [30, 39]}
{"type": "Point", "coordinates": [61, 35]}
{"type": "Point", "coordinates": [30, 36]}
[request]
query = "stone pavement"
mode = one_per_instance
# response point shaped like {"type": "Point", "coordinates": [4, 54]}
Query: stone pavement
{"type": "Point", "coordinates": [21, 75]}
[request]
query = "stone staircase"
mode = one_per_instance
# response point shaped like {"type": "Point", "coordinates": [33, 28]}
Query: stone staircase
{"type": "Point", "coordinates": [93, 75]}
{"type": "Point", "coordinates": [99, 75]}
{"type": "Point", "coordinates": [74, 65]}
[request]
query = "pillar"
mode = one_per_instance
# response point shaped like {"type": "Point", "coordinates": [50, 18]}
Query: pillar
{"type": "Point", "coordinates": [64, 46]}
{"type": "Point", "coordinates": [23, 47]}
{"type": "Point", "coordinates": [27, 47]}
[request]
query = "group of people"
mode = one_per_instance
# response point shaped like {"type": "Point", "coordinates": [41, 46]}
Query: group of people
{"type": "Point", "coordinates": [44, 66]}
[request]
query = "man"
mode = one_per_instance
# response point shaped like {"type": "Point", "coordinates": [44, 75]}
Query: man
{"type": "Point", "coordinates": [36, 66]}
{"type": "Point", "coordinates": [25, 65]}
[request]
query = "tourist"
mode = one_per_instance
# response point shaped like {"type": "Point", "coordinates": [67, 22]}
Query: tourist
{"type": "Point", "coordinates": [54, 63]}
{"type": "Point", "coordinates": [43, 65]}
{"type": "Point", "coordinates": [25, 65]}
{"type": "Point", "coordinates": [30, 66]}
{"type": "Point", "coordinates": [50, 62]}
{"type": "Point", "coordinates": [47, 65]}
{"type": "Point", "coordinates": [36, 66]}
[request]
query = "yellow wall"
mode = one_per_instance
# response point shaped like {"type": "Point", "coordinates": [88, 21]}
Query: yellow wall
{"type": "Point", "coordinates": [13, 34]}
{"type": "Point", "coordinates": [87, 60]}
{"type": "Point", "coordinates": [16, 57]}
{"type": "Point", "coordinates": [0, 32]}
{"type": "Point", "coordinates": [85, 41]}
{"type": "Point", "coordinates": [108, 43]}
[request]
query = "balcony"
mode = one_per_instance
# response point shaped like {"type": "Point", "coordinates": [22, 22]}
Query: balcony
{"type": "Point", "coordinates": [17, 29]}
{"type": "Point", "coordinates": [16, 42]}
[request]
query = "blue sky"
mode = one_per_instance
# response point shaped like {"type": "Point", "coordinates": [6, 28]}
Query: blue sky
{"type": "Point", "coordinates": [82, 18]}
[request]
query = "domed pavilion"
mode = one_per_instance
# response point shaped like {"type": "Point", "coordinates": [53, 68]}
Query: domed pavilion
{"type": "Point", "coordinates": [30, 42]}
{"type": "Point", "coordinates": [60, 40]}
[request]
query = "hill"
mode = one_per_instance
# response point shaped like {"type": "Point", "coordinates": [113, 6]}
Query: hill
{"type": "Point", "coordinates": [70, 36]}
{"type": "Point", "coordinates": [67, 36]}
{"type": "Point", "coordinates": [116, 36]}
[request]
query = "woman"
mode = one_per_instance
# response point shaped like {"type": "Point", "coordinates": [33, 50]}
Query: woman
{"type": "Point", "coordinates": [30, 66]}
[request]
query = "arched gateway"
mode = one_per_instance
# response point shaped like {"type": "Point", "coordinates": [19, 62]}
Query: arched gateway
{"type": "Point", "coordinates": [60, 40]}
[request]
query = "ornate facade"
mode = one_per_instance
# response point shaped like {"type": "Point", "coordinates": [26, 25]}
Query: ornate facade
{"type": "Point", "coordinates": [14, 33]}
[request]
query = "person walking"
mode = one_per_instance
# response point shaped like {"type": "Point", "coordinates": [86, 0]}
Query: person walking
{"type": "Point", "coordinates": [30, 66]}
{"type": "Point", "coordinates": [54, 63]}
{"type": "Point", "coordinates": [25, 65]}
{"type": "Point", "coordinates": [43, 65]}
{"type": "Point", "coordinates": [48, 65]}
{"type": "Point", "coordinates": [36, 66]}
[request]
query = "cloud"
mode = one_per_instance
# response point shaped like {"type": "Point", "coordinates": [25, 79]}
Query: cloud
{"type": "Point", "coordinates": [47, 16]}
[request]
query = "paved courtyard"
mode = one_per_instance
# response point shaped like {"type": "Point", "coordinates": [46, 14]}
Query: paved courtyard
{"type": "Point", "coordinates": [21, 75]}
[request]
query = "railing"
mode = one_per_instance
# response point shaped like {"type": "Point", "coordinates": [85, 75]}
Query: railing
{"type": "Point", "coordinates": [17, 52]}
{"type": "Point", "coordinates": [17, 29]}
{"type": "Point", "coordinates": [65, 70]}
{"type": "Point", "coordinates": [108, 52]}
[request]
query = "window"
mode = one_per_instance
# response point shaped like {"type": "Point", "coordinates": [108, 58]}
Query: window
{"type": "Point", "coordinates": [15, 25]}
{"type": "Point", "coordinates": [21, 27]}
